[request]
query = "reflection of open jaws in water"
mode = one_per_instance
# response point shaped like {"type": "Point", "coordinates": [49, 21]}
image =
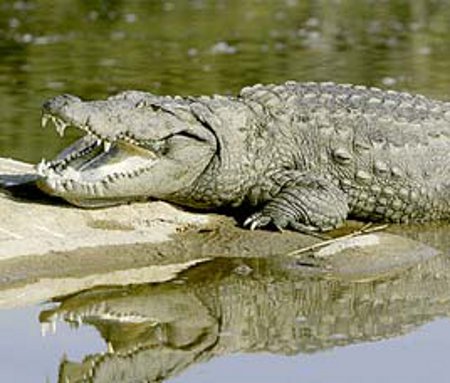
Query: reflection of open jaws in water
{"type": "Point", "coordinates": [156, 331]}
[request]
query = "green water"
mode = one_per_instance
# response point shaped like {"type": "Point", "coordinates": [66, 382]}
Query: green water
{"type": "Point", "coordinates": [94, 48]}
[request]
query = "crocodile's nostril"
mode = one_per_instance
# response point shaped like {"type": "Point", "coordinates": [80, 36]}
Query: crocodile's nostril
{"type": "Point", "coordinates": [56, 103]}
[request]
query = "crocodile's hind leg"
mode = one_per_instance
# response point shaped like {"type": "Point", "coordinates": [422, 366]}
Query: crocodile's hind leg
{"type": "Point", "coordinates": [307, 204]}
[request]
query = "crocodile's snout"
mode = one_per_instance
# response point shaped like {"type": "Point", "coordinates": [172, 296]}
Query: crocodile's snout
{"type": "Point", "coordinates": [55, 104]}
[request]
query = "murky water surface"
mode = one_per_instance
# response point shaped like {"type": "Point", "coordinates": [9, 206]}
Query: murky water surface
{"type": "Point", "coordinates": [239, 320]}
{"type": "Point", "coordinates": [216, 324]}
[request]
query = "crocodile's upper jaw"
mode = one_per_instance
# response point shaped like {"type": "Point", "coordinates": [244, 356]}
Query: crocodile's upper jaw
{"type": "Point", "coordinates": [100, 171]}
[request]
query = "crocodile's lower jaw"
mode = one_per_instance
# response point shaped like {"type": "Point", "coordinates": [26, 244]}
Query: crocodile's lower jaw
{"type": "Point", "coordinates": [83, 177]}
{"type": "Point", "coordinates": [73, 194]}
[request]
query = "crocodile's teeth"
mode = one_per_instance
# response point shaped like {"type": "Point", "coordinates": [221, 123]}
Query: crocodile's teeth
{"type": "Point", "coordinates": [44, 120]}
{"type": "Point", "coordinates": [110, 348]}
{"type": "Point", "coordinates": [45, 326]}
{"type": "Point", "coordinates": [60, 126]}
{"type": "Point", "coordinates": [41, 167]}
{"type": "Point", "coordinates": [53, 326]}
{"type": "Point", "coordinates": [106, 146]}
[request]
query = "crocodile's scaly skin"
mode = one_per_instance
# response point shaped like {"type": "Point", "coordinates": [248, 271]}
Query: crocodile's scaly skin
{"type": "Point", "coordinates": [310, 154]}
{"type": "Point", "coordinates": [319, 151]}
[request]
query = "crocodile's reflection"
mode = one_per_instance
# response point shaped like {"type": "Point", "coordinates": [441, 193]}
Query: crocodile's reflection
{"type": "Point", "coordinates": [154, 332]}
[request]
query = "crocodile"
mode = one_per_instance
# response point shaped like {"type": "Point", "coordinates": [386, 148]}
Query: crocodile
{"type": "Point", "coordinates": [303, 156]}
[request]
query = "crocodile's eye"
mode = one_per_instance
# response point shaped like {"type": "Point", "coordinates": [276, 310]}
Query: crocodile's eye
{"type": "Point", "coordinates": [141, 104]}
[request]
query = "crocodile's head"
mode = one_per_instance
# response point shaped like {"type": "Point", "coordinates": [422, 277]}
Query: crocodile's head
{"type": "Point", "coordinates": [152, 332]}
{"type": "Point", "coordinates": [136, 146]}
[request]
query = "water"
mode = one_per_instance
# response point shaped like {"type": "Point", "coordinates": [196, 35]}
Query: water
{"type": "Point", "coordinates": [96, 48]}
{"type": "Point", "coordinates": [239, 320]}
{"type": "Point", "coordinates": [28, 356]}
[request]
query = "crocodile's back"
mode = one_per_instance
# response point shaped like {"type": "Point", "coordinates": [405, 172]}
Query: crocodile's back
{"type": "Point", "coordinates": [389, 151]}
{"type": "Point", "coordinates": [388, 118]}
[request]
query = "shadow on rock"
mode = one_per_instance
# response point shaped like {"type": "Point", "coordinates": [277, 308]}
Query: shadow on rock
{"type": "Point", "coordinates": [17, 181]}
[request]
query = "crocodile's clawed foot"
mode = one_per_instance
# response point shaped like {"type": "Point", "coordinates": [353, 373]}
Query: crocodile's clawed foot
{"type": "Point", "coordinates": [258, 220]}
{"type": "Point", "coordinates": [262, 219]}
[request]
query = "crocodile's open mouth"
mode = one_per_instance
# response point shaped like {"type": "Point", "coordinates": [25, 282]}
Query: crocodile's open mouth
{"type": "Point", "coordinates": [148, 330]}
{"type": "Point", "coordinates": [93, 163]}
{"type": "Point", "coordinates": [133, 335]}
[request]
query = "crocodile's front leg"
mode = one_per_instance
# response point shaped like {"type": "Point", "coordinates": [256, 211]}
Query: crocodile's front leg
{"type": "Point", "coordinates": [306, 203]}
